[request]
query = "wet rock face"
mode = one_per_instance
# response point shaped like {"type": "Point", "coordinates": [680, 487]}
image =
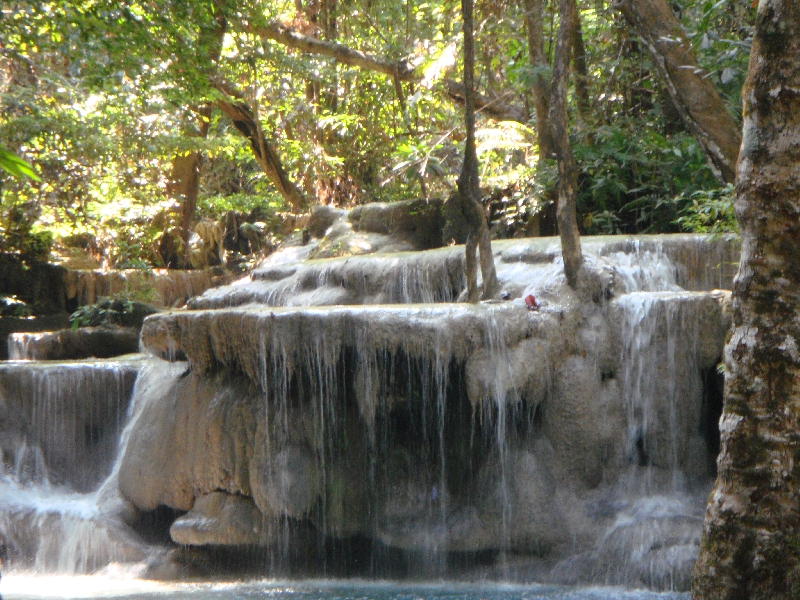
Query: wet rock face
{"type": "Point", "coordinates": [377, 227]}
{"type": "Point", "coordinates": [287, 483]}
{"type": "Point", "coordinates": [449, 427]}
{"type": "Point", "coordinates": [196, 440]}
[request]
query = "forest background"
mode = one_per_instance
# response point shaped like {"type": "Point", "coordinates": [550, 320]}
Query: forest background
{"type": "Point", "coordinates": [143, 118]}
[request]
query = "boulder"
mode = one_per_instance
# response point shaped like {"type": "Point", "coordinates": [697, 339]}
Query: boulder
{"type": "Point", "coordinates": [286, 483]}
{"type": "Point", "coordinates": [220, 519]}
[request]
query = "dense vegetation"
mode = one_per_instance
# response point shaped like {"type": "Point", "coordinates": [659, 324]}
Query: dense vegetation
{"type": "Point", "coordinates": [116, 104]}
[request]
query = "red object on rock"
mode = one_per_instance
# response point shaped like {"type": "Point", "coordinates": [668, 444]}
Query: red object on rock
{"type": "Point", "coordinates": [530, 302]}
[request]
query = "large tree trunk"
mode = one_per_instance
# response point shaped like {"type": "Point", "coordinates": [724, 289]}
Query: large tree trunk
{"type": "Point", "coordinates": [751, 540]}
{"type": "Point", "coordinates": [694, 96]}
{"type": "Point", "coordinates": [468, 181]}
{"type": "Point", "coordinates": [246, 123]}
{"type": "Point", "coordinates": [559, 126]}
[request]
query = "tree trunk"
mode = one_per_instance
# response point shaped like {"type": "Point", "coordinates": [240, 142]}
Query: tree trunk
{"type": "Point", "coordinates": [694, 96]}
{"type": "Point", "coordinates": [579, 63]}
{"type": "Point", "coordinates": [184, 180]}
{"type": "Point", "coordinates": [534, 19]}
{"type": "Point", "coordinates": [245, 122]}
{"type": "Point", "coordinates": [751, 539]}
{"type": "Point", "coordinates": [468, 181]}
{"type": "Point", "coordinates": [559, 126]}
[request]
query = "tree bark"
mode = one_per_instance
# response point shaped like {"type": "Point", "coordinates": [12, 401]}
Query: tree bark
{"type": "Point", "coordinates": [694, 96]}
{"type": "Point", "coordinates": [184, 180]}
{"type": "Point", "coordinates": [540, 86]}
{"type": "Point", "coordinates": [751, 538]}
{"type": "Point", "coordinates": [579, 64]}
{"type": "Point", "coordinates": [469, 182]}
{"type": "Point", "coordinates": [245, 122]}
{"type": "Point", "coordinates": [559, 126]}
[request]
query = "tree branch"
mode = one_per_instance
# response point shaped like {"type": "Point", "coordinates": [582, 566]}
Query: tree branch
{"type": "Point", "coordinates": [400, 70]}
{"type": "Point", "coordinates": [245, 122]}
{"type": "Point", "coordinates": [693, 95]}
{"type": "Point", "coordinates": [493, 108]}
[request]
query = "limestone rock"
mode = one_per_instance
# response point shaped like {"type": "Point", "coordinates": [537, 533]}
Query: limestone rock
{"type": "Point", "coordinates": [85, 342]}
{"type": "Point", "coordinates": [287, 483]}
{"type": "Point", "coordinates": [194, 438]}
{"type": "Point", "coordinates": [583, 419]}
{"type": "Point", "coordinates": [347, 499]}
{"type": "Point", "coordinates": [377, 227]}
{"type": "Point", "coordinates": [221, 519]}
{"type": "Point", "coordinates": [523, 487]}
{"type": "Point", "coordinates": [322, 218]}
{"type": "Point", "coordinates": [419, 222]}
{"type": "Point", "coordinates": [524, 371]}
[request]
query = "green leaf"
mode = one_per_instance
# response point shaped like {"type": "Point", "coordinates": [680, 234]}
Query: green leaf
{"type": "Point", "coordinates": [16, 166]}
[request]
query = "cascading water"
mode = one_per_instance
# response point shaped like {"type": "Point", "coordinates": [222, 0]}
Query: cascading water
{"type": "Point", "coordinates": [568, 444]}
{"type": "Point", "coordinates": [61, 425]}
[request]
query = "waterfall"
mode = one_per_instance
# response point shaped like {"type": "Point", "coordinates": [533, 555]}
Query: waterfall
{"type": "Point", "coordinates": [62, 424]}
{"type": "Point", "coordinates": [348, 412]}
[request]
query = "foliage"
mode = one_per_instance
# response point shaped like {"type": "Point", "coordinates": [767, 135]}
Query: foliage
{"type": "Point", "coordinates": [708, 211]}
{"type": "Point", "coordinates": [629, 177]}
{"type": "Point", "coordinates": [106, 312]}
{"type": "Point", "coordinates": [101, 95]}
{"type": "Point", "coordinates": [16, 166]}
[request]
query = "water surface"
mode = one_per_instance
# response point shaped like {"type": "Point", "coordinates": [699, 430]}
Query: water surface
{"type": "Point", "coordinates": [19, 587]}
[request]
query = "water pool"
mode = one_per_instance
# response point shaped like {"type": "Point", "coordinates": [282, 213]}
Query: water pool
{"type": "Point", "coordinates": [20, 587]}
